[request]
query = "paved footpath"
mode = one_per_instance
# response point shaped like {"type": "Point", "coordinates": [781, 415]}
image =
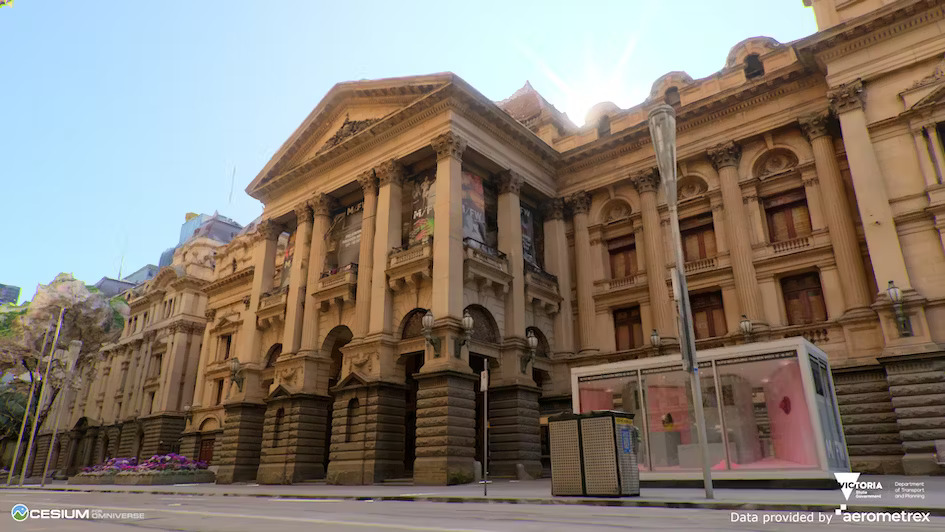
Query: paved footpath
{"type": "Point", "coordinates": [925, 494]}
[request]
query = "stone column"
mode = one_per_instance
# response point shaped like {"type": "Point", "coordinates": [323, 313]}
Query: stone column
{"type": "Point", "coordinates": [175, 367]}
{"type": "Point", "coordinates": [298, 278]}
{"type": "Point", "coordinates": [514, 432]}
{"type": "Point", "coordinates": [579, 204]}
{"type": "Point", "coordinates": [882, 239]}
{"type": "Point", "coordinates": [935, 141]}
{"type": "Point", "coordinates": [362, 310]}
{"type": "Point", "coordinates": [321, 205]}
{"type": "Point", "coordinates": [846, 245]}
{"type": "Point", "coordinates": [922, 149]}
{"type": "Point", "coordinates": [815, 206]}
{"type": "Point", "coordinates": [241, 442]}
{"type": "Point", "coordinates": [718, 225]}
{"type": "Point", "coordinates": [725, 158]}
{"type": "Point", "coordinates": [388, 236]}
{"type": "Point", "coordinates": [206, 353]}
{"type": "Point", "coordinates": [264, 260]}
{"type": "Point", "coordinates": [446, 428]}
{"type": "Point", "coordinates": [660, 303]}
{"type": "Point", "coordinates": [510, 243]}
{"type": "Point", "coordinates": [448, 227]}
{"type": "Point", "coordinates": [557, 263]}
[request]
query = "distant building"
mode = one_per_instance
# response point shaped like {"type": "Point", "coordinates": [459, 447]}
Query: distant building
{"type": "Point", "coordinates": [215, 227]}
{"type": "Point", "coordinates": [112, 287]}
{"type": "Point", "coordinates": [145, 273]}
{"type": "Point", "coordinates": [9, 294]}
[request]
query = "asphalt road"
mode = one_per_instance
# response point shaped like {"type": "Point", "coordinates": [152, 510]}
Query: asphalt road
{"type": "Point", "coordinates": [237, 514]}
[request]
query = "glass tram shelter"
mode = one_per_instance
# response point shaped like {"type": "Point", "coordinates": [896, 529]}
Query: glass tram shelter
{"type": "Point", "coordinates": [770, 411]}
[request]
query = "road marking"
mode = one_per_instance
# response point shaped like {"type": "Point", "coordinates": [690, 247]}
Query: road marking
{"type": "Point", "coordinates": [308, 500]}
{"type": "Point", "coordinates": [269, 518]}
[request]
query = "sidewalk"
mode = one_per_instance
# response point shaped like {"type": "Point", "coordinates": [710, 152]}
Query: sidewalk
{"type": "Point", "coordinates": [539, 492]}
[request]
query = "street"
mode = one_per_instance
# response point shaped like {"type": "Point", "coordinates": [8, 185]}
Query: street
{"type": "Point", "coordinates": [236, 514]}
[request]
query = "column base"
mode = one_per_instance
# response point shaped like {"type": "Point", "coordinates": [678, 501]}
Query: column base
{"type": "Point", "coordinates": [367, 434]}
{"type": "Point", "coordinates": [917, 387]}
{"type": "Point", "coordinates": [446, 428]}
{"type": "Point", "coordinates": [869, 420]}
{"type": "Point", "coordinates": [922, 464]}
{"type": "Point", "coordinates": [514, 433]}
{"type": "Point", "coordinates": [293, 444]}
{"type": "Point", "coordinates": [242, 440]}
{"type": "Point", "coordinates": [161, 433]}
{"type": "Point", "coordinates": [188, 444]}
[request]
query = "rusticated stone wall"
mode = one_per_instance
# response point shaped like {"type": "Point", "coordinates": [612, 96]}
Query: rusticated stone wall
{"type": "Point", "coordinates": [869, 421]}
{"type": "Point", "coordinates": [446, 428]}
{"type": "Point", "coordinates": [514, 436]}
{"type": "Point", "coordinates": [293, 445]}
{"type": "Point", "coordinates": [917, 388]}
{"type": "Point", "coordinates": [242, 440]}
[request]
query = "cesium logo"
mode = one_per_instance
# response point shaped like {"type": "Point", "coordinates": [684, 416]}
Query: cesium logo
{"type": "Point", "coordinates": [20, 512]}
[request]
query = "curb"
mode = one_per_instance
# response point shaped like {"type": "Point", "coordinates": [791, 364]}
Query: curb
{"type": "Point", "coordinates": [627, 502]}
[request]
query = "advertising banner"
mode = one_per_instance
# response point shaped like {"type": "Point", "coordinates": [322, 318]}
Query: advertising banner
{"type": "Point", "coordinates": [422, 196]}
{"type": "Point", "coordinates": [474, 208]}
{"type": "Point", "coordinates": [347, 237]}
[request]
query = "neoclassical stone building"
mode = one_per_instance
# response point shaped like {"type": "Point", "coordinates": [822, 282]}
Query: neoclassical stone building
{"type": "Point", "coordinates": [811, 176]}
{"type": "Point", "coordinates": [132, 401]}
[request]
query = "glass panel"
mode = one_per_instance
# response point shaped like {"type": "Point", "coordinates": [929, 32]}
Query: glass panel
{"type": "Point", "coordinates": [768, 420]}
{"type": "Point", "coordinates": [674, 442]}
{"type": "Point", "coordinates": [826, 407]}
{"type": "Point", "coordinates": [615, 392]}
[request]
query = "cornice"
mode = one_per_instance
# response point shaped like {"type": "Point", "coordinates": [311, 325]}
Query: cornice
{"type": "Point", "coordinates": [229, 281]}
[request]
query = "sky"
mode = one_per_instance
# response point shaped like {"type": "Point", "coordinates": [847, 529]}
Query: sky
{"type": "Point", "coordinates": [119, 117]}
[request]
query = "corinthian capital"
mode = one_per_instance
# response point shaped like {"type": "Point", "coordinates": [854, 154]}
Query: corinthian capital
{"type": "Point", "coordinates": [390, 172]}
{"type": "Point", "coordinates": [579, 202]}
{"type": "Point", "coordinates": [269, 230]}
{"type": "Point", "coordinates": [510, 181]}
{"type": "Point", "coordinates": [725, 154]}
{"type": "Point", "coordinates": [322, 204]}
{"type": "Point", "coordinates": [646, 180]}
{"type": "Point", "coordinates": [553, 209]}
{"type": "Point", "coordinates": [368, 182]}
{"type": "Point", "coordinates": [448, 144]}
{"type": "Point", "coordinates": [846, 97]}
{"type": "Point", "coordinates": [816, 125]}
{"type": "Point", "coordinates": [303, 213]}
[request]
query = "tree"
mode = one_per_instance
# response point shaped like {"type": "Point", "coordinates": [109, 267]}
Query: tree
{"type": "Point", "coordinates": [90, 320]}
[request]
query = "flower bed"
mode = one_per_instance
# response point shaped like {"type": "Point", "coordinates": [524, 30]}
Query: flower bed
{"type": "Point", "coordinates": [159, 469]}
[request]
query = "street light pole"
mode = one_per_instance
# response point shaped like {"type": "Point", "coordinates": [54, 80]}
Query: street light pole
{"type": "Point", "coordinates": [662, 123]}
{"type": "Point", "coordinates": [67, 387]}
{"type": "Point", "coordinates": [29, 404]}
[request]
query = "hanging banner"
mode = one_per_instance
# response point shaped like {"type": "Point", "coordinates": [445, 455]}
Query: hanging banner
{"type": "Point", "coordinates": [287, 260]}
{"type": "Point", "coordinates": [474, 208]}
{"type": "Point", "coordinates": [528, 236]}
{"type": "Point", "coordinates": [423, 196]}
{"type": "Point", "coordinates": [348, 235]}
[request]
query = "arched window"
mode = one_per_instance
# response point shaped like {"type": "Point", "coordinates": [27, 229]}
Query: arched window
{"type": "Point", "coordinates": [273, 354]}
{"type": "Point", "coordinates": [754, 68]}
{"type": "Point", "coordinates": [672, 96]}
{"type": "Point", "coordinates": [484, 325]}
{"type": "Point", "coordinates": [353, 407]}
{"type": "Point", "coordinates": [413, 324]}
{"type": "Point", "coordinates": [543, 349]}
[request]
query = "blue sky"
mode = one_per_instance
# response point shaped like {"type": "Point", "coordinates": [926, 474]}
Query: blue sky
{"type": "Point", "coordinates": [119, 117]}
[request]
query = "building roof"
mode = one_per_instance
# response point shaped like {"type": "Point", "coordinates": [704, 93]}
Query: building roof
{"type": "Point", "coordinates": [112, 287]}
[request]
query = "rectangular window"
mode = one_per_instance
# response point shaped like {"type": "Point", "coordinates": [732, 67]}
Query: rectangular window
{"type": "Point", "coordinates": [803, 299]}
{"type": "Point", "coordinates": [698, 237]}
{"type": "Point", "coordinates": [787, 215]}
{"type": "Point", "coordinates": [628, 327]}
{"type": "Point", "coordinates": [150, 402]}
{"type": "Point", "coordinates": [219, 392]}
{"type": "Point", "coordinates": [623, 257]}
{"type": "Point", "coordinates": [227, 343]}
{"type": "Point", "coordinates": [708, 315]}
{"type": "Point", "coordinates": [156, 365]}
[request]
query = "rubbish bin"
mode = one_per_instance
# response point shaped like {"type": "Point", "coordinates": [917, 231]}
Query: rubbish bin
{"type": "Point", "coordinates": [594, 454]}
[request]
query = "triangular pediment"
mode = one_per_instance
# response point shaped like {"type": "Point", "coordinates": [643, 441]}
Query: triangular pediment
{"type": "Point", "coordinates": [280, 391]}
{"type": "Point", "coordinates": [353, 380]}
{"type": "Point", "coordinates": [348, 110]}
{"type": "Point", "coordinates": [935, 95]}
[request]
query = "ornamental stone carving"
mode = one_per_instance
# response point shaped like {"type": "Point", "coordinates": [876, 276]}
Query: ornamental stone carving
{"type": "Point", "coordinates": [448, 144]}
{"type": "Point", "coordinates": [645, 181]}
{"type": "Point", "coordinates": [510, 181]}
{"type": "Point", "coordinates": [368, 182]}
{"type": "Point", "coordinates": [322, 204]}
{"type": "Point", "coordinates": [691, 187]}
{"type": "Point", "coordinates": [579, 202]}
{"type": "Point", "coordinates": [846, 97]}
{"type": "Point", "coordinates": [390, 172]}
{"type": "Point", "coordinates": [725, 154]}
{"type": "Point", "coordinates": [288, 376]}
{"type": "Point", "coordinates": [269, 230]}
{"type": "Point", "coordinates": [816, 125]}
{"type": "Point", "coordinates": [616, 211]}
{"type": "Point", "coordinates": [553, 209]}
{"type": "Point", "coordinates": [774, 162]}
{"type": "Point", "coordinates": [303, 213]}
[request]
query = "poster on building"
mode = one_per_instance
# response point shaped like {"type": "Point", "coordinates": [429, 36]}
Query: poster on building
{"type": "Point", "coordinates": [422, 198]}
{"type": "Point", "coordinates": [346, 237]}
{"type": "Point", "coordinates": [528, 236]}
{"type": "Point", "coordinates": [287, 259]}
{"type": "Point", "coordinates": [474, 208]}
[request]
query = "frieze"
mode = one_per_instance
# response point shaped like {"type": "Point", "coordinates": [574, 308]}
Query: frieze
{"type": "Point", "coordinates": [448, 144]}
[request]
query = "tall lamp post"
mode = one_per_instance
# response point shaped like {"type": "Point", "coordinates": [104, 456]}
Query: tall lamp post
{"type": "Point", "coordinates": [662, 122]}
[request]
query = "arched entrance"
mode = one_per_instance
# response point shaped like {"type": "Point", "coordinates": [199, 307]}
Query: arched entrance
{"type": "Point", "coordinates": [411, 327]}
{"type": "Point", "coordinates": [485, 333]}
{"type": "Point", "coordinates": [334, 341]}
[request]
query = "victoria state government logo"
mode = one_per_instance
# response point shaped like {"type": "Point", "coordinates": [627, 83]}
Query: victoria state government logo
{"type": "Point", "coordinates": [849, 483]}
{"type": "Point", "coordinates": [20, 512]}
